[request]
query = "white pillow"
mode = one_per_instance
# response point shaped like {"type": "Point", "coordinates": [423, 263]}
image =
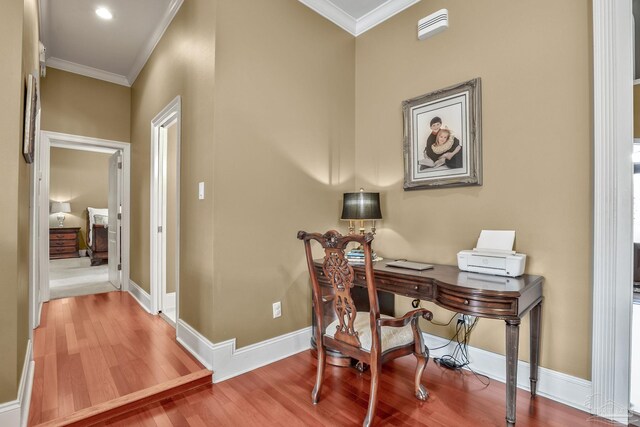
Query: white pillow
{"type": "Point", "coordinates": [96, 211]}
{"type": "Point", "coordinates": [92, 213]}
{"type": "Point", "coordinates": [101, 220]}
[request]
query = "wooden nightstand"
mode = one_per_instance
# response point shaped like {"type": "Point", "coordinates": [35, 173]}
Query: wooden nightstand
{"type": "Point", "coordinates": [63, 242]}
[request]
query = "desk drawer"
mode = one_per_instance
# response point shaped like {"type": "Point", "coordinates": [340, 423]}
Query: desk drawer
{"type": "Point", "coordinates": [461, 302]}
{"type": "Point", "coordinates": [396, 285]}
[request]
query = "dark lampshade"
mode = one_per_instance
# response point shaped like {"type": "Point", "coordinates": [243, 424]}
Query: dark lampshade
{"type": "Point", "coordinates": [361, 205]}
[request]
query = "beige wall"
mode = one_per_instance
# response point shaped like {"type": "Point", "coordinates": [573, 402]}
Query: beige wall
{"type": "Point", "coordinates": [80, 105]}
{"type": "Point", "coordinates": [30, 64]}
{"type": "Point", "coordinates": [18, 49]}
{"type": "Point", "coordinates": [82, 179]}
{"type": "Point", "coordinates": [536, 90]}
{"type": "Point", "coordinates": [182, 64]}
{"type": "Point", "coordinates": [275, 150]}
{"type": "Point", "coordinates": [11, 87]}
{"type": "Point", "coordinates": [284, 147]}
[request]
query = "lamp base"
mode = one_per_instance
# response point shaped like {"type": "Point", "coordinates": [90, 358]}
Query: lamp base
{"type": "Point", "coordinates": [60, 221]}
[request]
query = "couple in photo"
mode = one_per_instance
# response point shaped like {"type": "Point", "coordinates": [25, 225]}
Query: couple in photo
{"type": "Point", "coordinates": [442, 148]}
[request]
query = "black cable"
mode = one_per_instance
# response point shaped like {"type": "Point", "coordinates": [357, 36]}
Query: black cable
{"type": "Point", "coordinates": [444, 324]}
{"type": "Point", "coordinates": [459, 358]}
{"type": "Point", "coordinates": [416, 303]}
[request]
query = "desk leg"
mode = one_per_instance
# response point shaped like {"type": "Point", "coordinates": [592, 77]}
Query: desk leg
{"type": "Point", "coordinates": [534, 319]}
{"type": "Point", "coordinates": [512, 332]}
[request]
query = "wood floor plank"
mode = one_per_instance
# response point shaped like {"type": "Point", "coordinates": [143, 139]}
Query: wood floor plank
{"type": "Point", "coordinates": [78, 383]}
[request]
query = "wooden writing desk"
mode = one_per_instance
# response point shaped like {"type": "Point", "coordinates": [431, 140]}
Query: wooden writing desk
{"type": "Point", "coordinates": [491, 297]}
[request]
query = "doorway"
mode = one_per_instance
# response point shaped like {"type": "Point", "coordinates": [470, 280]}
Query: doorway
{"type": "Point", "coordinates": [105, 238]}
{"type": "Point", "coordinates": [81, 183]}
{"type": "Point", "coordinates": [165, 211]}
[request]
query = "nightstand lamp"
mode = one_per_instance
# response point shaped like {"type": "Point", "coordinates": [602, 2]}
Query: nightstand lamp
{"type": "Point", "coordinates": [60, 208]}
{"type": "Point", "coordinates": [361, 206]}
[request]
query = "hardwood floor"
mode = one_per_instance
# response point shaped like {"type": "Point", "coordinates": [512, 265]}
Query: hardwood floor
{"type": "Point", "coordinates": [92, 349]}
{"type": "Point", "coordinates": [102, 350]}
{"type": "Point", "coordinates": [280, 395]}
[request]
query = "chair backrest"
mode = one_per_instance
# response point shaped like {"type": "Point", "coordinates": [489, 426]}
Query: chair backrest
{"type": "Point", "coordinates": [341, 277]}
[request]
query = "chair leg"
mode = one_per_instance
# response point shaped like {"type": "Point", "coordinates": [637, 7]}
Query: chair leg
{"type": "Point", "coordinates": [375, 367]}
{"type": "Point", "coordinates": [322, 359]}
{"type": "Point", "coordinates": [422, 354]}
{"type": "Point", "coordinates": [420, 392]}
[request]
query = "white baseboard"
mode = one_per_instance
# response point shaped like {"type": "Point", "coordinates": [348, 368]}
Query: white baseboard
{"type": "Point", "coordinates": [140, 295]}
{"type": "Point", "coordinates": [16, 412]}
{"type": "Point", "coordinates": [563, 388]}
{"type": "Point", "coordinates": [200, 347]}
{"type": "Point", "coordinates": [39, 315]}
{"type": "Point", "coordinates": [170, 300]}
{"type": "Point", "coordinates": [227, 362]}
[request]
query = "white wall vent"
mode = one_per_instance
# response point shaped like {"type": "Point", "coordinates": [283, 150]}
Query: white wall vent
{"type": "Point", "coordinates": [433, 24]}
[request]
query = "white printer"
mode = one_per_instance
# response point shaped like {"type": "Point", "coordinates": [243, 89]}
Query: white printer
{"type": "Point", "coordinates": [493, 254]}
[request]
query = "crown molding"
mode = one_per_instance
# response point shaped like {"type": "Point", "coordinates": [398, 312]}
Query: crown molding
{"type": "Point", "coordinates": [366, 22]}
{"type": "Point", "coordinates": [147, 50]}
{"type": "Point", "coordinates": [84, 70]}
{"type": "Point", "coordinates": [333, 14]}
{"type": "Point", "coordinates": [381, 14]}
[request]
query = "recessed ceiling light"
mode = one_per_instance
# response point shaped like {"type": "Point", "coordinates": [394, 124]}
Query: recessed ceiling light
{"type": "Point", "coordinates": [104, 13]}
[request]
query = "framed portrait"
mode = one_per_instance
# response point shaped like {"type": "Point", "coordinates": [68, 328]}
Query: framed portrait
{"type": "Point", "coordinates": [442, 138]}
{"type": "Point", "coordinates": [30, 110]}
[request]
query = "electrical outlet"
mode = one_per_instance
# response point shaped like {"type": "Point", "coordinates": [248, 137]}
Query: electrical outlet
{"type": "Point", "coordinates": [277, 309]}
{"type": "Point", "coordinates": [466, 319]}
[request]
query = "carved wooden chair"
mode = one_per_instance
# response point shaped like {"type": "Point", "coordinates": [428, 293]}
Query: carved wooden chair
{"type": "Point", "coordinates": [368, 337]}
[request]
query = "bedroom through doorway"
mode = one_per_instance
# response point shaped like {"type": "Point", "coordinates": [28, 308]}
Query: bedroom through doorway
{"type": "Point", "coordinates": [79, 229]}
{"type": "Point", "coordinates": [82, 204]}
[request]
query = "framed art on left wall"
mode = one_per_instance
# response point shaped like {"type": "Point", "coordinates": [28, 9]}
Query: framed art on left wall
{"type": "Point", "coordinates": [30, 110]}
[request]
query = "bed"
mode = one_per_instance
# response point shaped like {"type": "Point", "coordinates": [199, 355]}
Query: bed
{"type": "Point", "coordinates": [97, 235]}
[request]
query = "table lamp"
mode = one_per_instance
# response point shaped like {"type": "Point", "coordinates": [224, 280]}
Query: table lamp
{"type": "Point", "coordinates": [361, 206]}
{"type": "Point", "coordinates": [60, 208]}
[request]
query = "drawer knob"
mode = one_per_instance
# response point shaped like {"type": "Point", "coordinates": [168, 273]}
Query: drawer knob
{"type": "Point", "coordinates": [466, 302]}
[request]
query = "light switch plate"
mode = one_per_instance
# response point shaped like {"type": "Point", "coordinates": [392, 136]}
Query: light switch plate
{"type": "Point", "coordinates": [201, 190]}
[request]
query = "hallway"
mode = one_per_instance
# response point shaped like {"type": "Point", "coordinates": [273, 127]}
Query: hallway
{"type": "Point", "coordinates": [92, 349]}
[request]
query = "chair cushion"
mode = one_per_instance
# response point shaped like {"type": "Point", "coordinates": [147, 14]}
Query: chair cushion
{"type": "Point", "coordinates": [391, 337]}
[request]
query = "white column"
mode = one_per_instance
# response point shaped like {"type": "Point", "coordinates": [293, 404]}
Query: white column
{"type": "Point", "coordinates": [612, 217]}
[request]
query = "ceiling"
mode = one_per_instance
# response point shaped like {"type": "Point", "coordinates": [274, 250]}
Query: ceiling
{"type": "Point", "coordinates": [77, 40]}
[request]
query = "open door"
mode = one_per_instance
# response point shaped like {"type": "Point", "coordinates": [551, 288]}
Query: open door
{"type": "Point", "coordinates": [114, 205]}
{"type": "Point", "coordinates": [165, 212]}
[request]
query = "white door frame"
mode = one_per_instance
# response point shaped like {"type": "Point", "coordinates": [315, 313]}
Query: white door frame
{"type": "Point", "coordinates": [173, 111]}
{"type": "Point", "coordinates": [612, 211]}
{"type": "Point", "coordinates": [85, 143]}
{"type": "Point", "coordinates": [114, 205]}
